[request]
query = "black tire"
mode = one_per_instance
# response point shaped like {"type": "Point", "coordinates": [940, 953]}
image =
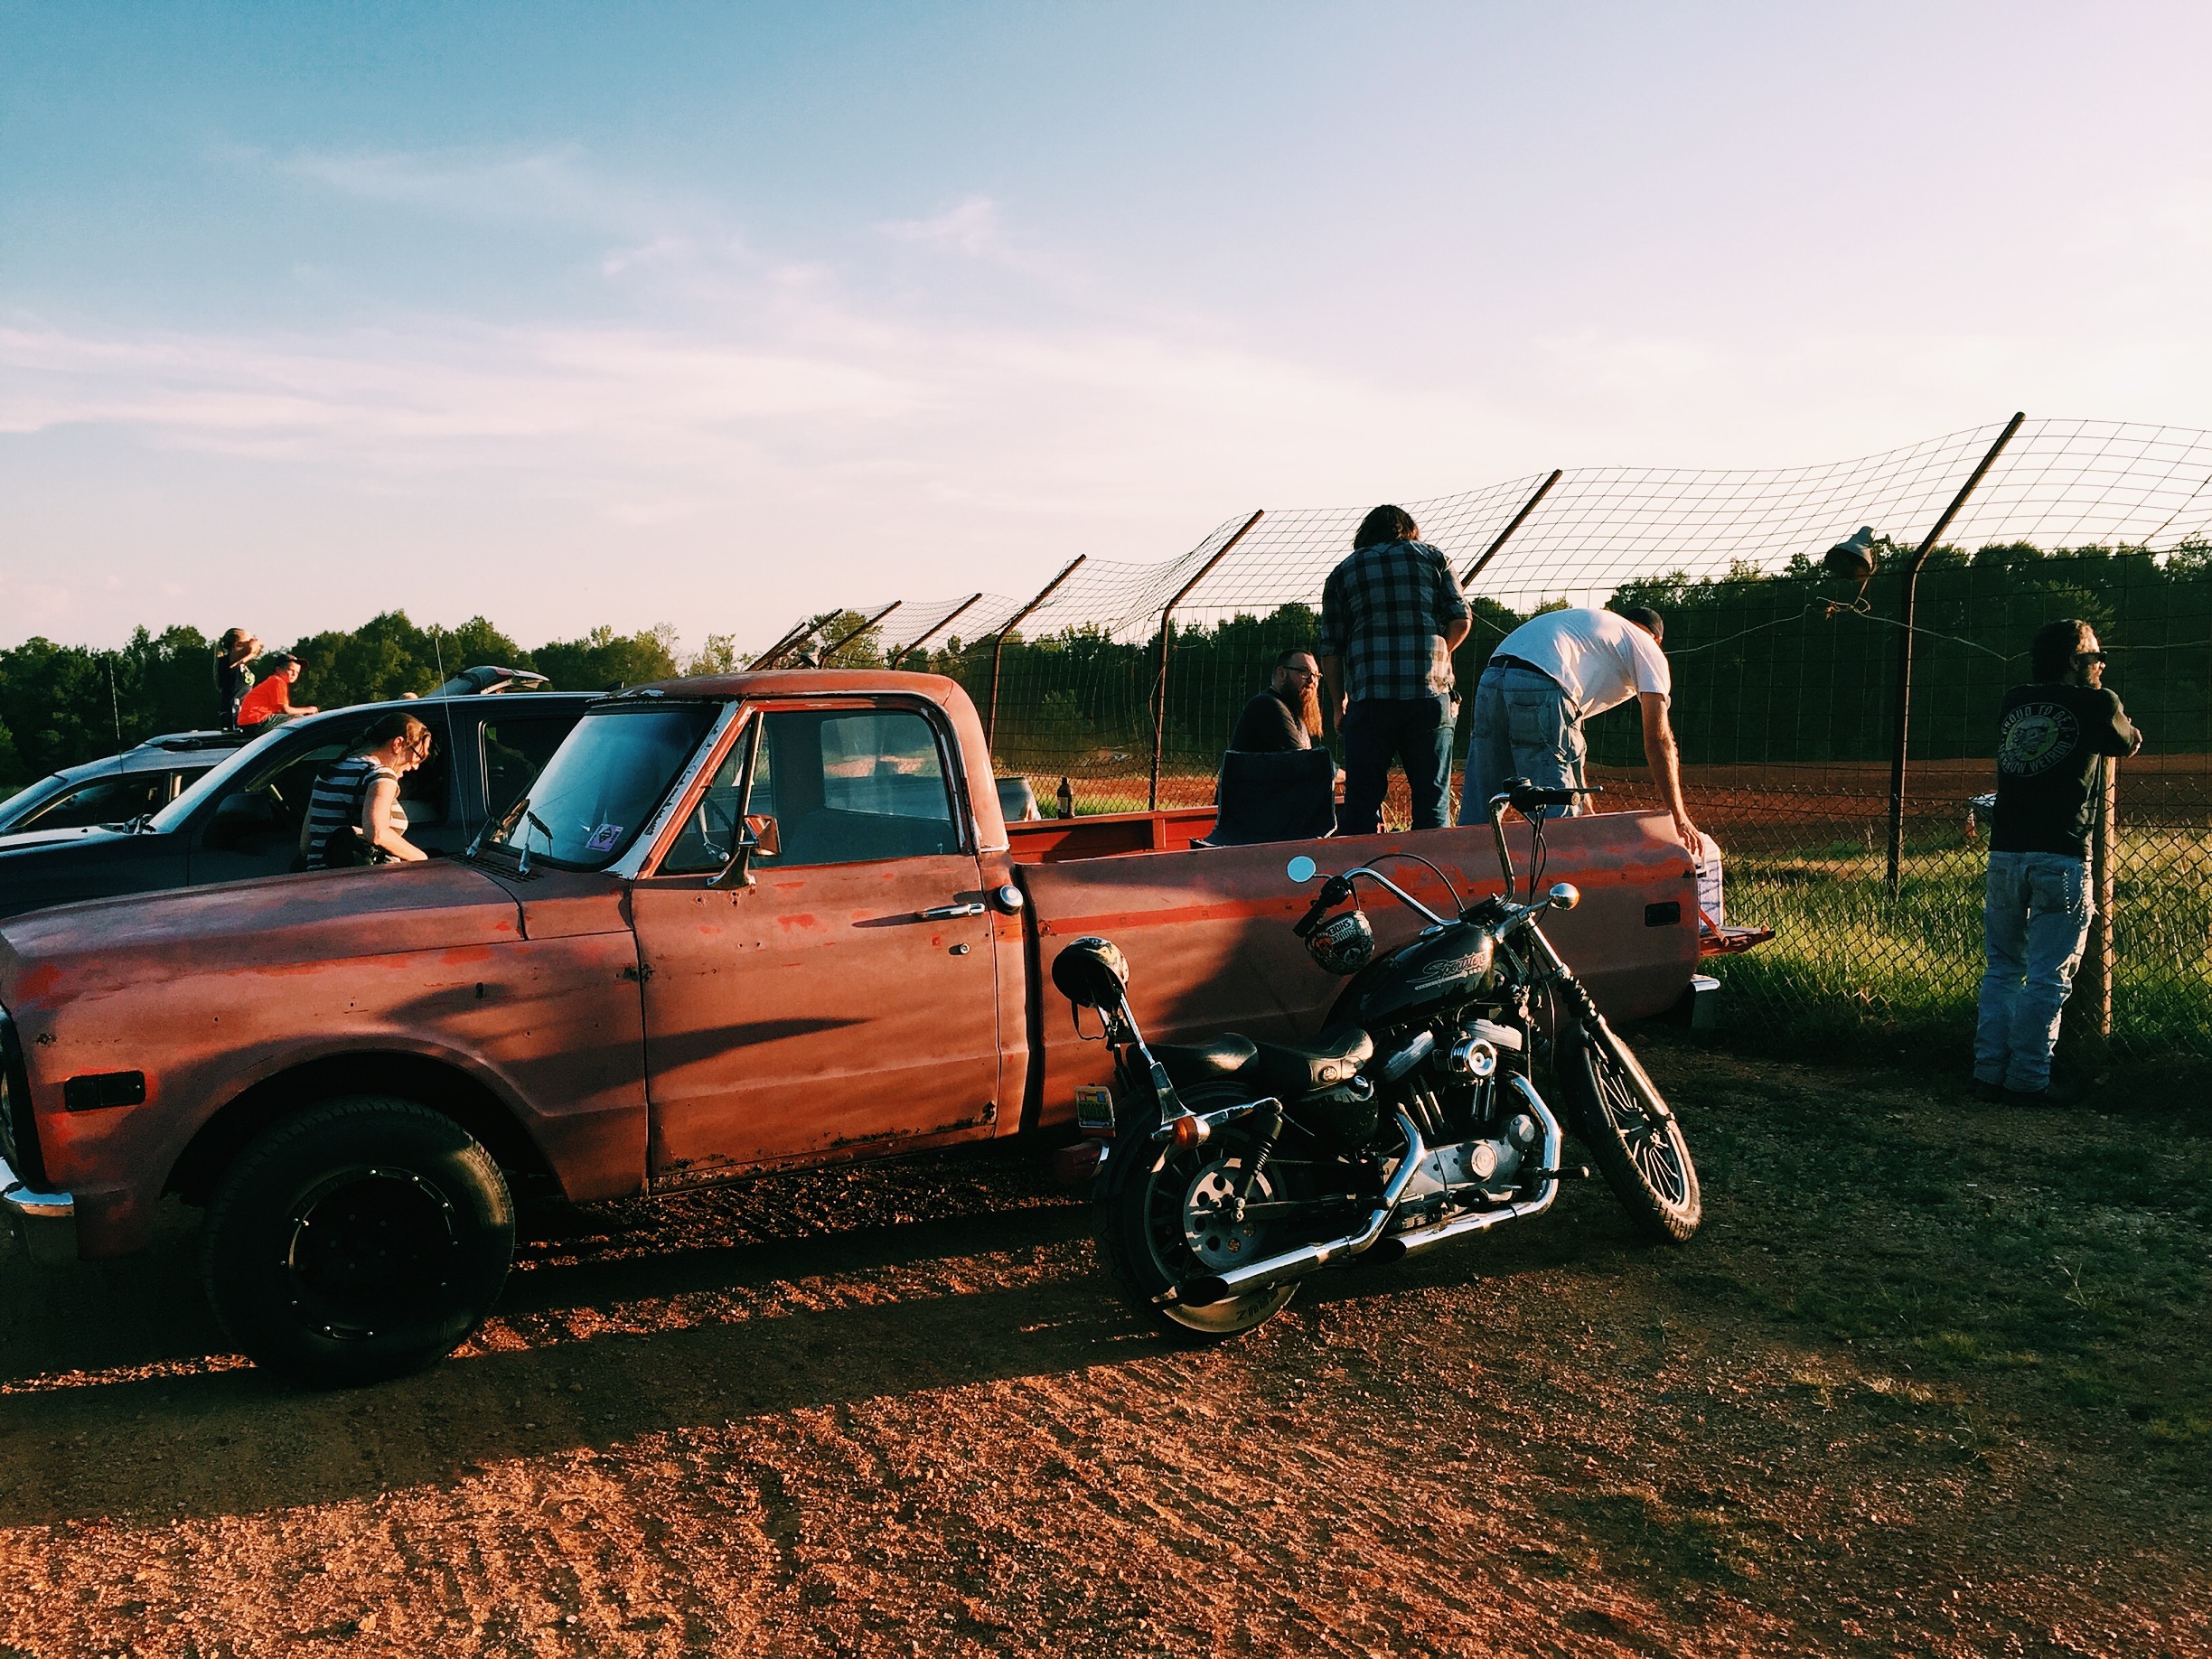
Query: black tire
{"type": "Point", "coordinates": [1640, 1152]}
{"type": "Point", "coordinates": [417, 1231]}
{"type": "Point", "coordinates": [1143, 1194]}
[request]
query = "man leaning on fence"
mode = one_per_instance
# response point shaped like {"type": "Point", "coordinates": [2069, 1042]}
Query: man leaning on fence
{"type": "Point", "coordinates": [1391, 616]}
{"type": "Point", "coordinates": [2036, 917]}
{"type": "Point", "coordinates": [1549, 676]}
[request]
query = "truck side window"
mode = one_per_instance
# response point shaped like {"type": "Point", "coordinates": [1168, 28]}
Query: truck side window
{"type": "Point", "coordinates": [851, 786]}
{"type": "Point", "coordinates": [845, 786]}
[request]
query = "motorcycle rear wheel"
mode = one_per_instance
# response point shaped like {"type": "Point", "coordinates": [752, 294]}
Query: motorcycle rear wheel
{"type": "Point", "coordinates": [1145, 1225]}
{"type": "Point", "coordinates": [1637, 1142]}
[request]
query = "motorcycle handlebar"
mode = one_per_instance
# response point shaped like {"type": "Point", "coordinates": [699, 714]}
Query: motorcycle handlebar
{"type": "Point", "coordinates": [1334, 892]}
{"type": "Point", "coordinates": [1520, 797]}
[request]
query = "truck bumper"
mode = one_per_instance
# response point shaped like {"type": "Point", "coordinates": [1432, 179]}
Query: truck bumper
{"type": "Point", "coordinates": [45, 1223]}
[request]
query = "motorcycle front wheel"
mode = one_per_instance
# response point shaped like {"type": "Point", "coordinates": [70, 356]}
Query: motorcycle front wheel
{"type": "Point", "coordinates": [1163, 1221]}
{"type": "Point", "coordinates": [1637, 1142]}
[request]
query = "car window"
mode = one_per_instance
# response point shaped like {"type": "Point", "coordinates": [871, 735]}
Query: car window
{"type": "Point", "coordinates": [290, 780]}
{"type": "Point", "coordinates": [514, 753]}
{"type": "Point", "coordinates": [845, 786]}
{"type": "Point", "coordinates": [103, 800]}
{"type": "Point", "coordinates": [29, 796]}
{"type": "Point", "coordinates": [425, 793]}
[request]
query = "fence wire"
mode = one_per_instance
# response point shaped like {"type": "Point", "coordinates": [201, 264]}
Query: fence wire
{"type": "Point", "coordinates": [1785, 691]}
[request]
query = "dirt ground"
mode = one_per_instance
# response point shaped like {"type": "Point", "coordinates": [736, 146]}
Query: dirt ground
{"type": "Point", "coordinates": [1932, 1381]}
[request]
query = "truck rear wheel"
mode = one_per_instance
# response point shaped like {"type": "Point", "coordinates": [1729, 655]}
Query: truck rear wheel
{"type": "Point", "coordinates": [363, 1239]}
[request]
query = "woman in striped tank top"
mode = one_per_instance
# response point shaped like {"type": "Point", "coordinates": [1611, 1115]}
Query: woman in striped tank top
{"type": "Point", "coordinates": [361, 793]}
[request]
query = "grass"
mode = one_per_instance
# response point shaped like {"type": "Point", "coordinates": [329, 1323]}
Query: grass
{"type": "Point", "coordinates": [1850, 963]}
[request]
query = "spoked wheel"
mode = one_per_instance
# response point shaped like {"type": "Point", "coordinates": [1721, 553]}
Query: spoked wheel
{"type": "Point", "coordinates": [1168, 1216]}
{"type": "Point", "coordinates": [1638, 1143]}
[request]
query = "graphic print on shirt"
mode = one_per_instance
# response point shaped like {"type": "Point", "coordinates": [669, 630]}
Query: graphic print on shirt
{"type": "Point", "coordinates": [2035, 738]}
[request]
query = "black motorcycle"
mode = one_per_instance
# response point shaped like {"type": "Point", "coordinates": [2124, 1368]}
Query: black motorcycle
{"type": "Point", "coordinates": [1238, 1167]}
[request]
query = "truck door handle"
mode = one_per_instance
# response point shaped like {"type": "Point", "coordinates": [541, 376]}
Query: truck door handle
{"type": "Point", "coordinates": [945, 913]}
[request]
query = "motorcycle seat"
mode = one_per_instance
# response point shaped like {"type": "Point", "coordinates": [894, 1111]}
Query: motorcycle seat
{"type": "Point", "coordinates": [1333, 1058]}
{"type": "Point", "coordinates": [1218, 1057]}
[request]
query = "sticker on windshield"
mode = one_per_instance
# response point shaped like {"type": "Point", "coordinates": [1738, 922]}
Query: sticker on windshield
{"type": "Point", "coordinates": [604, 837]}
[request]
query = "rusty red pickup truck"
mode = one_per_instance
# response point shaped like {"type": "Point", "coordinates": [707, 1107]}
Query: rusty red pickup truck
{"type": "Point", "coordinates": [738, 923]}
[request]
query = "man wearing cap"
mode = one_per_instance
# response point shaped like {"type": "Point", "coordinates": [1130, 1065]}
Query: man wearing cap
{"type": "Point", "coordinates": [271, 697]}
{"type": "Point", "coordinates": [1549, 676]}
{"type": "Point", "coordinates": [2036, 911]}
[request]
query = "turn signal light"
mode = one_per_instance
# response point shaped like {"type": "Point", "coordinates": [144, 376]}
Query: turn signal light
{"type": "Point", "coordinates": [1189, 1131]}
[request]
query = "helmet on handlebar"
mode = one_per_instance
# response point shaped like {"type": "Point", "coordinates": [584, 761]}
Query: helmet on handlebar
{"type": "Point", "coordinates": [1342, 944]}
{"type": "Point", "coordinates": [1091, 973]}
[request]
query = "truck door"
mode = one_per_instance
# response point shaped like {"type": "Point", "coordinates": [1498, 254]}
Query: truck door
{"type": "Point", "coordinates": [846, 998]}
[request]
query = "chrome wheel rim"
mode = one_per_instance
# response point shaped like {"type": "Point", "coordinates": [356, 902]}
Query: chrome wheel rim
{"type": "Point", "coordinates": [1650, 1145]}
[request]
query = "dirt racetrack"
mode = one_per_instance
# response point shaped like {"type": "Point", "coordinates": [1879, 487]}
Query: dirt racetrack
{"type": "Point", "coordinates": [1933, 1380]}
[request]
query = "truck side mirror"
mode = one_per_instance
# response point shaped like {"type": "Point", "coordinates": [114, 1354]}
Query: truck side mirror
{"type": "Point", "coordinates": [760, 838]}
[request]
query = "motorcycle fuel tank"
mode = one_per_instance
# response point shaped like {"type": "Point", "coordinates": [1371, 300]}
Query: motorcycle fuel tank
{"type": "Point", "coordinates": [1443, 967]}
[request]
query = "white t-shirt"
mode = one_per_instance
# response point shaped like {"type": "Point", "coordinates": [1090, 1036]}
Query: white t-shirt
{"type": "Point", "coordinates": [1599, 659]}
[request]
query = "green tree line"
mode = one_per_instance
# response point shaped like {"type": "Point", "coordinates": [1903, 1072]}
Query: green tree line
{"type": "Point", "coordinates": [63, 704]}
{"type": "Point", "coordinates": [1791, 667]}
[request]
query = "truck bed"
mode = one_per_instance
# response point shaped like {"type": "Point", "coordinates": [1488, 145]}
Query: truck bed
{"type": "Point", "coordinates": [1207, 930]}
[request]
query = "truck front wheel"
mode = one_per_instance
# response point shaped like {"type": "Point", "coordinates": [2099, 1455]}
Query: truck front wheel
{"type": "Point", "coordinates": [362, 1239]}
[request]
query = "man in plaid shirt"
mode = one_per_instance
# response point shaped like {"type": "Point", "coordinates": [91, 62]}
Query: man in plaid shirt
{"type": "Point", "coordinates": [1391, 616]}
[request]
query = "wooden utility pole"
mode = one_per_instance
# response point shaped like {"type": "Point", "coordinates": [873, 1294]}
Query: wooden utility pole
{"type": "Point", "coordinates": [2097, 960]}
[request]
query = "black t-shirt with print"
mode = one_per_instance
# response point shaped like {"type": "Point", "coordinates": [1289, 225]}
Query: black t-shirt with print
{"type": "Point", "coordinates": [2048, 739]}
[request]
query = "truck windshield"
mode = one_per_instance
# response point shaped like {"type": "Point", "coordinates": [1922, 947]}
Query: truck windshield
{"type": "Point", "coordinates": [603, 783]}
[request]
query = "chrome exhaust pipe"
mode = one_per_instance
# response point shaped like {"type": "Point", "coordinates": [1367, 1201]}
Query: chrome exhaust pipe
{"type": "Point", "coordinates": [1310, 1257]}
{"type": "Point", "coordinates": [1408, 1243]}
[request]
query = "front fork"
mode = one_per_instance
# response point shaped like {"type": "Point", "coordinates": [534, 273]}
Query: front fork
{"type": "Point", "coordinates": [1556, 976]}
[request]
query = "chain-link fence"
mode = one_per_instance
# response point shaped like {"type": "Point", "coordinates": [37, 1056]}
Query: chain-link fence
{"type": "Point", "coordinates": [1851, 832]}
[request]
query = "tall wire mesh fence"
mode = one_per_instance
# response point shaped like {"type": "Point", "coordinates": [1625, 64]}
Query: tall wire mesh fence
{"type": "Point", "coordinates": [1115, 689]}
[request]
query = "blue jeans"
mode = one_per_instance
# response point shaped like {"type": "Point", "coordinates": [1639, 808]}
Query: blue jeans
{"type": "Point", "coordinates": [1525, 727]}
{"type": "Point", "coordinates": [1416, 731]}
{"type": "Point", "coordinates": [2037, 921]}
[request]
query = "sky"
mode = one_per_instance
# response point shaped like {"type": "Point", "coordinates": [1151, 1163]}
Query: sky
{"type": "Point", "coordinates": [644, 313]}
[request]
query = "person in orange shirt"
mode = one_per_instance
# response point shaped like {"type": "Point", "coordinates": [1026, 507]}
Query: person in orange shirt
{"type": "Point", "coordinates": [271, 696]}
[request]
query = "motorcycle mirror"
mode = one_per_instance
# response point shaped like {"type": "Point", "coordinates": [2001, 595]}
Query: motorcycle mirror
{"type": "Point", "coordinates": [1302, 869]}
{"type": "Point", "coordinates": [1564, 895]}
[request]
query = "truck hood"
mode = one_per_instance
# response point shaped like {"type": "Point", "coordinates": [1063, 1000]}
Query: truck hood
{"type": "Point", "coordinates": [323, 916]}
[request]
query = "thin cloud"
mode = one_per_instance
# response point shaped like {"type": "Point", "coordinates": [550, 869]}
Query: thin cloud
{"type": "Point", "coordinates": [555, 186]}
{"type": "Point", "coordinates": [971, 228]}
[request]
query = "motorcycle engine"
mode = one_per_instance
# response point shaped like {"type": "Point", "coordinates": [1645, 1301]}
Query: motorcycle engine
{"type": "Point", "coordinates": [1487, 1165]}
{"type": "Point", "coordinates": [1490, 1139]}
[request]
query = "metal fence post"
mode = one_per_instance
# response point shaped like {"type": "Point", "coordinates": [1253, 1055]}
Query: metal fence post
{"type": "Point", "coordinates": [767, 657]}
{"type": "Point", "coordinates": [893, 658]}
{"type": "Point", "coordinates": [845, 640]}
{"type": "Point", "coordinates": [990, 722]}
{"type": "Point", "coordinates": [1160, 685]}
{"type": "Point", "coordinates": [1505, 535]}
{"type": "Point", "coordinates": [1904, 649]}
